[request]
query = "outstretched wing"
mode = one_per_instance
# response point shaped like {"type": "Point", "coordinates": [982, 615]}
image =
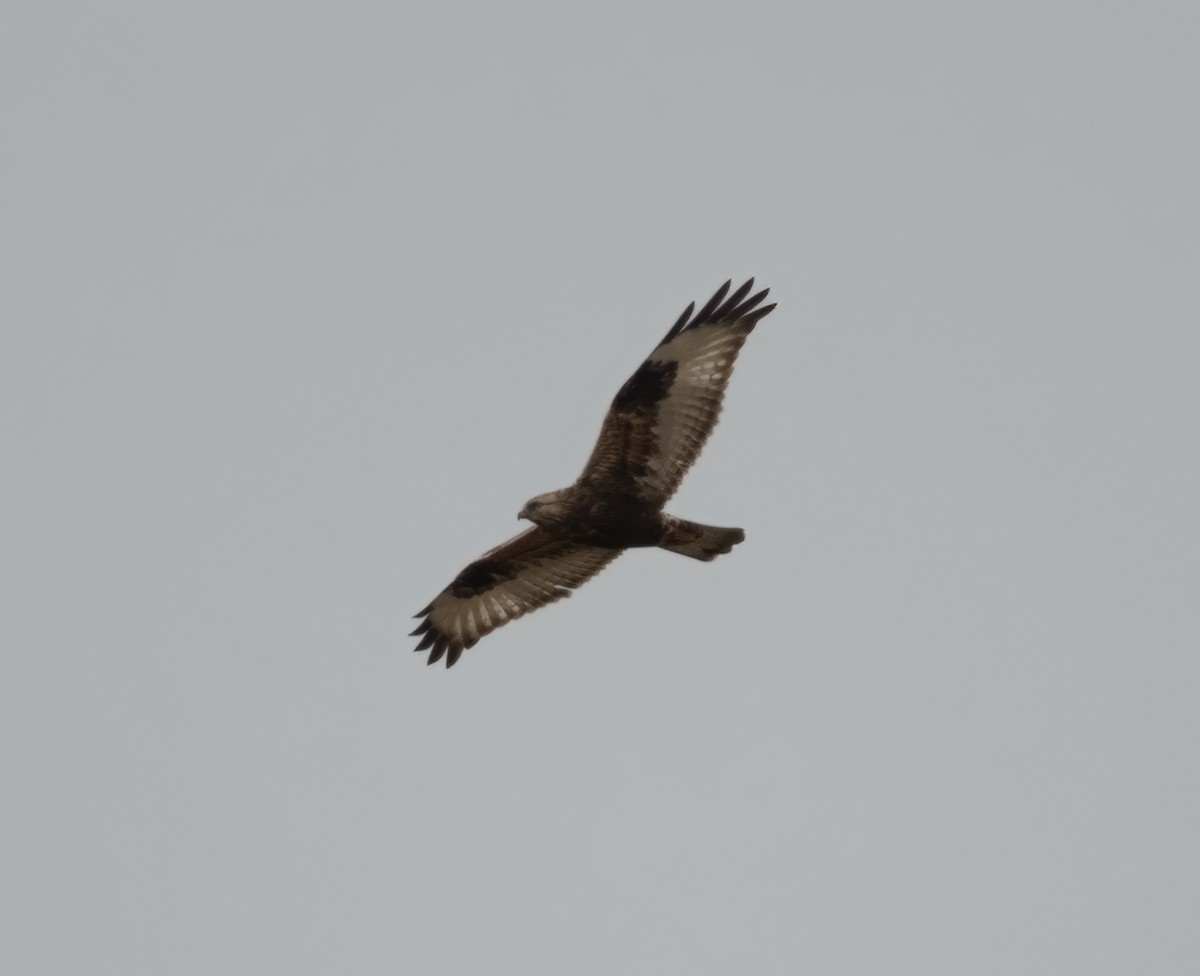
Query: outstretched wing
{"type": "Point", "coordinates": [527, 572]}
{"type": "Point", "coordinates": [661, 418]}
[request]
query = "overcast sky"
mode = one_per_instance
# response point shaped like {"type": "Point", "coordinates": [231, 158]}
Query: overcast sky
{"type": "Point", "coordinates": [301, 302]}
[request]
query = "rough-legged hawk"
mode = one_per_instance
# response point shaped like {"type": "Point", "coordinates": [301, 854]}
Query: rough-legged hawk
{"type": "Point", "coordinates": [654, 430]}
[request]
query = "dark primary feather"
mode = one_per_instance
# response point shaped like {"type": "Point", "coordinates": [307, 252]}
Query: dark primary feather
{"type": "Point", "coordinates": [730, 310]}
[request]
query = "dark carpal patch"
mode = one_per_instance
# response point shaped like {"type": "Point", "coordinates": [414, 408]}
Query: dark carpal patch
{"type": "Point", "coordinates": [646, 387]}
{"type": "Point", "coordinates": [481, 576]}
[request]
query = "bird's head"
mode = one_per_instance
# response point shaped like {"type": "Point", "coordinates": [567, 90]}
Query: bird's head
{"type": "Point", "coordinates": [541, 507]}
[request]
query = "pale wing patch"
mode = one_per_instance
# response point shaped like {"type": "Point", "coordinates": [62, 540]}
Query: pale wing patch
{"type": "Point", "coordinates": [705, 358]}
{"type": "Point", "coordinates": [698, 344]}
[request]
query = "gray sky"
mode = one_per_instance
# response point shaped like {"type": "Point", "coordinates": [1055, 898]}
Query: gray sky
{"type": "Point", "coordinates": [301, 303]}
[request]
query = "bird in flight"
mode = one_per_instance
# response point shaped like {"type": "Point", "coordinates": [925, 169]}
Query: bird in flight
{"type": "Point", "coordinates": [654, 431]}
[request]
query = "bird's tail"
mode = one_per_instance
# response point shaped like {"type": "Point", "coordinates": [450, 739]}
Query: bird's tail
{"type": "Point", "coordinates": [698, 541]}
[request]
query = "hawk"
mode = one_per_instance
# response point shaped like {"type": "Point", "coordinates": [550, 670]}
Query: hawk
{"type": "Point", "coordinates": [655, 428]}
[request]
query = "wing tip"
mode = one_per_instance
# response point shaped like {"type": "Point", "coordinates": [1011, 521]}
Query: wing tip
{"type": "Point", "coordinates": [680, 323]}
{"type": "Point", "coordinates": [751, 318]}
{"type": "Point", "coordinates": [721, 309]}
{"type": "Point", "coordinates": [440, 644]}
